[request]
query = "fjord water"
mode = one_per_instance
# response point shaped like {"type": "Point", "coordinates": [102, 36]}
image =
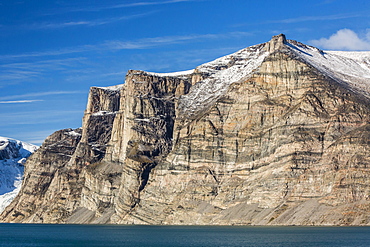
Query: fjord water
{"type": "Point", "coordinates": [118, 235]}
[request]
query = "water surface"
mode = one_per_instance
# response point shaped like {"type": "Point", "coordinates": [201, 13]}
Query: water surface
{"type": "Point", "coordinates": [119, 235]}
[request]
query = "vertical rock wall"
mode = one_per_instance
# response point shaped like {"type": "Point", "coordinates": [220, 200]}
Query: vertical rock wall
{"type": "Point", "coordinates": [147, 136]}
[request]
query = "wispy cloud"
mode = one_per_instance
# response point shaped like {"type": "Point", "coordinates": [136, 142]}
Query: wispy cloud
{"type": "Point", "coordinates": [166, 40]}
{"type": "Point", "coordinates": [149, 3]}
{"type": "Point", "coordinates": [171, 61]}
{"type": "Point", "coordinates": [129, 5]}
{"type": "Point", "coordinates": [50, 52]}
{"type": "Point", "coordinates": [20, 120]}
{"type": "Point", "coordinates": [305, 19]}
{"type": "Point", "coordinates": [50, 25]}
{"type": "Point", "coordinates": [344, 39]}
{"type": "Point", "coordinates": [34, 137]}
{"type": "Point", "coordinates": [131, 45]}
{"type": "Point", "coordinates": [36, 117]}
{"type": "Point", "coordinates": [18, 101]}
{"type": "Point", "coordinates": [39, 94]}
{"type": "Point", "coordinates": [327, 2]}
{"type": "Point", "coordinates": [12, 75]}
{"type": "Point", "coordinates": [89, 23]}
{"type": "Point", "coordinates": [11, 72]}
{"type": "Point", "coordinates": [39, 66]}
{"type": "Point", "coordinates": [316, 18]}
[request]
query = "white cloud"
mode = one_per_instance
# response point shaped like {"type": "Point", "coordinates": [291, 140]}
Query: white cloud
{"type": "Point", "coordinates": [143, 43]}
{"type": "Point", "coordinates": [344, 39]}
{"type": "Point", "coordinates": [136, 4]}
{"type": "Point", "coordinates": [316, 18]}
{"type": "Point", "coordinates": [39, 94]}
{"type": "Point", "coordinates": [168, 40]}
{"type": "Point", "coordinates": [97, 22]}
{"type": "Point", "coordinates": [18, 101]}
{"type": "Point", "coordinates": [146, 4]}
{"type": "Point", "coordinates": [36, 117]}
{"type": "Point", "coordinates": [312, 18]}
{"type": "Point", "coordinates": [58, 52]}
{"type": "Point", "coordinates": [22, 71]}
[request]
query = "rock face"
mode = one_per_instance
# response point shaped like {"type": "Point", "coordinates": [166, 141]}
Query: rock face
{"type": "Point", "coordinates": [275, 134]}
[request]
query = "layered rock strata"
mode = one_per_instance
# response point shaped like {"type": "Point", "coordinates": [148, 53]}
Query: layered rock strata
{"type": "Point", "coordinates": [264, 136]}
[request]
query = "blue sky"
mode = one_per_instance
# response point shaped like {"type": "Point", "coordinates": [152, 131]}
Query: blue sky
{"type": "Point", "coordinates": [53, 51]}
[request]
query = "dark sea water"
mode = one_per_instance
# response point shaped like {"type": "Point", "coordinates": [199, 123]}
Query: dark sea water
{"type": "Point", "coordinates": [113, 235]}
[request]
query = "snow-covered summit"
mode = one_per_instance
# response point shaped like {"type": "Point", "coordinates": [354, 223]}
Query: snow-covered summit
{"type": "Point", "coordinates": [12, 149]}
{"type": "Point", "coordinates": [13, 154]}
{"type": "Point", "coordinates": [352, 68]}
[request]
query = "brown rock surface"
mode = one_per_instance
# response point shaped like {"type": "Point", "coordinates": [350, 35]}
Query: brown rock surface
{"type": "Point", "coordinates": [263, 136]}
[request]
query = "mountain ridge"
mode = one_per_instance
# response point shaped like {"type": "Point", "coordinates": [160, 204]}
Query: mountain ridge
{"type": "Point", "coordinates": [264, 136]}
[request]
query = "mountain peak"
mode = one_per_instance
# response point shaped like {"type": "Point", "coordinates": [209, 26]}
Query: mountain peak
{"type": "Point", "coordinates": [274, 134]}
{"type": "Point", "coordinates": [276, 43]}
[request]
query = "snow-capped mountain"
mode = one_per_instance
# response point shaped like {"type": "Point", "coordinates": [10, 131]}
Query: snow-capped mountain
{"type": "Point", "coordinates": [13, 154]}
{"type": "Point", "coordinates": [274, 134]}
{"type": "Point", "coordinates": [352, 69]}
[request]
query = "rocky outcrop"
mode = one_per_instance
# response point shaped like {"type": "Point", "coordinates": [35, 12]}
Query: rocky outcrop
{"type": "Point", "coordinates": [264, 136]}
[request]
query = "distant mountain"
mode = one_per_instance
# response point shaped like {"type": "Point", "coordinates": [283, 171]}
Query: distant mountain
{"type": "Point", "coordinates": [274, 134]}
{"type": "Point", "coordinates": [13, 155]}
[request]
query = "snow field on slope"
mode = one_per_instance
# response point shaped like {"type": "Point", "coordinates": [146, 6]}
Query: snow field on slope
{"type": "Point", "coordinates": [221, 73]}
{"type": "Point", "coordinates": [352, 68]}
{"type": "Point", "coordinates": [11, 170]}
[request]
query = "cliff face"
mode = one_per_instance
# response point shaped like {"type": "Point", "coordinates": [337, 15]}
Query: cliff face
{"type": "Point", "coordinates": [55, 175]}
{"type": "Point", "coordinates": [263, 136]}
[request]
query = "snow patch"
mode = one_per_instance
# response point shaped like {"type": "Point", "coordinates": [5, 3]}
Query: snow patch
{"type": "Point", "coordinates": [112, 88]}
{"type": "Point", "coordinates": [142, 120]}
{"type": "Point", "coordinates": [102, 113]}
{"type": "Point", "coordinates": [221, 73]}
{"type": "Point", "coordinates": [73, 133]}
{"type": "Point", "coordinates": [173, 74]}
{"type": "Point", "coordinates": [13, 156]}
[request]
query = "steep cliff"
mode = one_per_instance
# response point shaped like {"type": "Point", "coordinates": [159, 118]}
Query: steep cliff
{"type": "Point", "coordinates": [274, 134]}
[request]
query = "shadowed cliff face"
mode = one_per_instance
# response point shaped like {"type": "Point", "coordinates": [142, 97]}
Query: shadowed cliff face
{"type": "Point", "coordinates": [272, 139]}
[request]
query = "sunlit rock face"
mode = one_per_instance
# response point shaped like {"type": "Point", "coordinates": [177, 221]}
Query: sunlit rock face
{"type": "Point", "coordinates": [274, 134]}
